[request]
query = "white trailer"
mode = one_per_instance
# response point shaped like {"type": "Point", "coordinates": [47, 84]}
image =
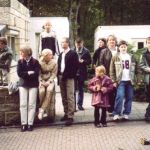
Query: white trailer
{"type": "Point", "coordinates": [133, 34]}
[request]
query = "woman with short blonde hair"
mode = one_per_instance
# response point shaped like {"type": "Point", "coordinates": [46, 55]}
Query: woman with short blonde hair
{"type": "Point", "coordinates": [28, 72]}
{"type": "Point", "coordinates": [105, 59]}
{"type": "Point", "coordinates": [26, 50]}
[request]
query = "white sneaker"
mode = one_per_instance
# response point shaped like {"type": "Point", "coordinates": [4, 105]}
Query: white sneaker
{"type": "Point", "coordinates": [116, 117]}
{"type": "Point", "coordinates": [45, 115]}
{"type": "Point", "coordinates": [126, 117]}
{"type": "Point", "coordinates": [40, 115]}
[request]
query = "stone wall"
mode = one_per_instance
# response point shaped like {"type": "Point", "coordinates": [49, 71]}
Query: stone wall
{"type": "Point", "coordinates": [9, 109]}
{"type": "Point", "coordinates": [5, 3]}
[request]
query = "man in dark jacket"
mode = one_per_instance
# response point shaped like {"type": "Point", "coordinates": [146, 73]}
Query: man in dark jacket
{"type": "Point", "coordinates": [5, 60]}
{"type": "Point", "coordinates": [145, 67]}
{"type": "Point", "coordinates": [67, 69]}
{"type": "Point", "coordinates": [84, 60]}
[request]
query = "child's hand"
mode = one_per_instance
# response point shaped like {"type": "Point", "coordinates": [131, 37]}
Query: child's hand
{"type": "Point", "coordinates": [115, 84]}
{"type": "Point", "coordinates": [98, 87]}
{"type": "Point", "coordinates": [103, 89]}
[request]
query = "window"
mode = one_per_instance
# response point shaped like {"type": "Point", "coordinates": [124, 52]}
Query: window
{"type": "Point", "coordinates": [11, 44]}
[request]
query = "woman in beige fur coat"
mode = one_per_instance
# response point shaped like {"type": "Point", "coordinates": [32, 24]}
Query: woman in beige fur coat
{"type": "Point", "coordinates": [47, 75]}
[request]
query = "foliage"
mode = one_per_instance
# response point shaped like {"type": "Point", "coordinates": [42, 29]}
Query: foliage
{"type": "Point", "coordinates": [85, 15]}
{"type": "Point", "coordinates": [139, 93]}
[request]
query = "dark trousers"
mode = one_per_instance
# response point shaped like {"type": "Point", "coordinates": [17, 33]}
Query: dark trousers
{"type": "Point", "coordinates": [112, 96]}
{"type": "Point", "coordinates": [79, 88]}
{"type": "Point", "coordinates": [147, 114]}
{"type": "Point", "coordinates": [97, 117]}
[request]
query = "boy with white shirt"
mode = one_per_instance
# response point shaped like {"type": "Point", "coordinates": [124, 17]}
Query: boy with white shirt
{"type": "Point", "coordinates": [122, 71]}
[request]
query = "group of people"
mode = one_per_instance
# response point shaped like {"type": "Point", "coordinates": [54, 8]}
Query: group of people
{"type": "Point", "coordinates": [115, 77]}
{"type": "Point", "coordinates": [37, 77]}
{"type": "Point", "coordinates": [111, 87]}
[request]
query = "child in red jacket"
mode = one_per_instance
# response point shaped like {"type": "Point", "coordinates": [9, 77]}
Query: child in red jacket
{"type": "Point", "coordinates": [100, 86]}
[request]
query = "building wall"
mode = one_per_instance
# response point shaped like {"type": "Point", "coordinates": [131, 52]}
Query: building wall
{"type": "Point", "coordinates": [16, 17]}
{"type": "Point", "coordinates": [134, 34]}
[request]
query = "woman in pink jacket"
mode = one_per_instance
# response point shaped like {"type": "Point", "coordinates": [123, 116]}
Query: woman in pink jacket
{"type": "Point", "coordinates": [100, 86]}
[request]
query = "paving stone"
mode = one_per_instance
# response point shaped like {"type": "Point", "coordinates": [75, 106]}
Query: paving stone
{"type": "Point", "coordinates": [122, 136]}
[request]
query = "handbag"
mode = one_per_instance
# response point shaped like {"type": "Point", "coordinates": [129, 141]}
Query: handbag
{"type": "Point", "coordinates": [13, 87]}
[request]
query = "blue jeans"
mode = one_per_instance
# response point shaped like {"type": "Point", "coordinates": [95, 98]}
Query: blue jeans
{"type": "Point", "coordinates": [124, 91]}
{"type": "Point", "coordinates": [80, 95]}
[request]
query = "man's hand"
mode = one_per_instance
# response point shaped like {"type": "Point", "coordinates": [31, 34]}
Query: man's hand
{"type": "Point", "coordinates": [147, 69]}
{"type": "Point", "coordinates": [30, 72]}
{"type": "Point", "coordinates": [81, 60]}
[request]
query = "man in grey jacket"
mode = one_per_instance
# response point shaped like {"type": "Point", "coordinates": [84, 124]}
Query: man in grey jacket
{"type": "Point", "coordinates": [5, 60]}
{"type": "Point", "coordinates": [145, 67]}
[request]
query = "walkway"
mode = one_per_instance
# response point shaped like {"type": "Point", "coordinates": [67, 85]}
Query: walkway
{"type": "Point", "coordinates": [86, 116]}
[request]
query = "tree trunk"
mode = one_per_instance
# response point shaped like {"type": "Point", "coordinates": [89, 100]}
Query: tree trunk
{"type": "Point", "coordinates": [77, 19]}
{"type": "Point", "coordinates": [70, 13]}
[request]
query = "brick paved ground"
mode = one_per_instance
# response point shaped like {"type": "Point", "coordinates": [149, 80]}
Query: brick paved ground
{"type": "Point", "coordinates": [117, 136]}
{"type": "Point", "coordinates": [86, 116]}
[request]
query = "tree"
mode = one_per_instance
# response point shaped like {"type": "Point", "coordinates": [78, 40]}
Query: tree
{"type": "Point", "coordinates": [85, 15]}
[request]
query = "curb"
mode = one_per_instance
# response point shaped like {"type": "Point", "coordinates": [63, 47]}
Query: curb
{"type": "Point", "coordinates": [75, 123]}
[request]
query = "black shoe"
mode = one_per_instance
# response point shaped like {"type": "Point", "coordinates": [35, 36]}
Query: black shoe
{"type": "Point", "coordinates": [98, 125]}
{"type": "Point", "coordinates": [110, 114]}
{"type": "Point", "coordinates": [30, 128]}
{"type": "Point", "coordinates": [147, 119]}
{"type": "Point", "coordinates": [104, 124]}
{"type": "Point", "coordinates": [23, 128]}
{"type": "Point", "coordinates": [80, 107]}
{"type": "Point", "coordinates": [75, 110]}
{"type": "Point", "coordinates": [64, 118]}
{"type": "Point", "coordinates": [69, 122]}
